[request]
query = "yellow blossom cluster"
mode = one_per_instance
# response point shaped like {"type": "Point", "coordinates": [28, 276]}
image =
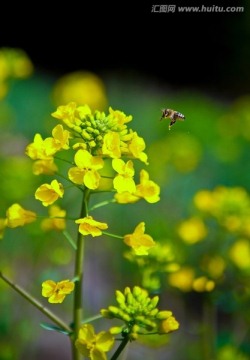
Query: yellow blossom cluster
{"type": "Point", "coordinates": [97, 147]}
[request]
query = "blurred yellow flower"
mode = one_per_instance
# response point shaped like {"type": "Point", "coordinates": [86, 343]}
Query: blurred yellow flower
{"type": "Point", "coordinates": [47, 167]}
{"type": "Point", "coordinates": [215, 266]}
{"type": "Point", "coordinates": [182, 279]}
{"type": "Point", "coordinates": [240, 253]}
{"type": "Point", "coordinates": [82, 87]}
{"type": "Point", "coordinates": [89, 226]}
{"type": "Point", "coordinates": [139, 241]}
{"type": "Point", "coordinates": [56, 292]}
{"type": "Point", "coordinates": [203, 200]}
{"type": "Point", "coordinates": [56, 220]}
{"type": "Point", "coordinates": [18, 216]}
{"type": "Point", "coordinates": [14, 64]}
{"type": "Point", "coordinates": [94, 346]}
{"type": "Point", "coordinates": [231, 352]}
{"type": "Point", "coordinates": [192, 230]}
{"type": "Point", "coordinates": [49, 193]}
{"type": "Point", "coordinates": [202, 284]}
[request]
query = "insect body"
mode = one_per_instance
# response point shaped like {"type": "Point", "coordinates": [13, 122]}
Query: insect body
{"type": "Point", "coordinates": [172, 115]}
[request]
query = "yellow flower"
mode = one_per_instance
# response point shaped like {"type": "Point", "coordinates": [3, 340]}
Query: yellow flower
{"type": "Point", "coordinates": [89, 226]}
{"type": "Point", "coordinates": [126, 198]}
{"type": "Point", "coordinates": [56, 292]}
{"type": "Point", "coordinates": [203, 200]}
{"type": "Point", "coordinates": [147, 189]}
{"type": "Point", "coordinates": [17, 216]}
{"type": "Point", "coordinates": [49, 193]}
{"type": "Point", "coordinates": [136, 147]}
{"type": "Point", "coordinates": [82, 87]}
{"type": "Point", "coordinates": [111, 145]}
{"type": "Point", "coordinates": [169, 324]}
{"type": "Point", "coordinates": [192, 230]}
{"type": "Point", "coordinates": [14, 63]}
{"type": "Point", "coordinates": [94, 346]}
{"type": "Point", "coordinates": [182, 279]}
{"type": "Point", "coordinates": [61, 137]}
{"type": "Point", "coordinates": [39, 149]}
{"type": "Point", "coordinates": [214, 266]}
{"type": "Point", "coordinates": [202, 284]}
{"type": "Point", "coordinates": [3, 224]}
{"type": "Point", "coordinates": [45, 149]}
{"type": "Point", "coordinates": [86, 170]}
{"type": "Point", "coordinates": [47, 167]}
{"type": "Point", "coordinates": [240, 253]}
{"type": "Point", "coordinates": [124, 180]}
{"type": "Point", "coordinates": [56, 221]}
{"type": "Point", "coordinates": [120, 117]}
{"type": "Point", "coordinates": [139, 241]}
{"type": "Point", "coordinates": [67, 113]}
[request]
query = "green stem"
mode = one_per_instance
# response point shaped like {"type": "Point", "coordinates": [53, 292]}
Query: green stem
{"type": "Point", "coordinates": [120, 348]}
{"type": "Point", "coordinates": [208, 331]}
{"type": "Point", "coordinates": [70, 240]}
{"type": "Point", "coordinates": [37, 304]}
{"type": "Point", "coordinates": [78, 293]}
{"type": "Point", "coordinates": [112, 235]}
{"type": "Point", "coordinates": [103, 203]}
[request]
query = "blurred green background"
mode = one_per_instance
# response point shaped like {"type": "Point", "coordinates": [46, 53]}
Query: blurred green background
{"type": "Point", "coordinates": [202, 222]}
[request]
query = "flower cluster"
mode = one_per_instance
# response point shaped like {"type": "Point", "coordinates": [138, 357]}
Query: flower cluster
{"type": "Point", "coordinates": [94, 141]}
{"type": "Point", "coordinates": [140, 314]}
{"type": "Point", "coordinates": [94, 152]}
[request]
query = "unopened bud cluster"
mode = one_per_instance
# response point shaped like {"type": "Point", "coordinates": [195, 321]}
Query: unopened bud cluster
{"type": "Point", "coordinates": [140, 314]}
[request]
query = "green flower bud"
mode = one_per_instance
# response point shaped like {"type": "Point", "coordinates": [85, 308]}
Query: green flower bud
{"type": "Point", "coordinates": [120, 298]}
{"type": "Point", "coordinates": [114, 310]}
{"type": "Point", "coordinates": [153, 312]}
{"type": "Point", "coordinates": [115, 330]}
{"type": "Point", "coordinates": [86, 135]}
{"type": "Point", "coordinates": [162, 315]}
{"type": "Point", "coordinates": [105, 313]}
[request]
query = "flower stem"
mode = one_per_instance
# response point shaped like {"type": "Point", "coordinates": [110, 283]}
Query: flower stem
{"type": "Point", "coordinates": [209, 330]}
{"type": "Point", "coordinates": [120, 348]}
{"type": "Point", "coordinates": [78, 293]}
{"type": "Point", "coordinates": [112, 235]}
{"type": "Point", "coordinates": [37, 304]}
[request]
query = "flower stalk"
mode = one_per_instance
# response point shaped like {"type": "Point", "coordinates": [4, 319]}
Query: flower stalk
{"type": "Point", "coordinates": [100, 144]}
{"type": "Point", "coordinates": [79, 269]}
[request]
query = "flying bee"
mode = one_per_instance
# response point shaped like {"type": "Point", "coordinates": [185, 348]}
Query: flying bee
{"type": "Point", "coordinates": [172, 115]}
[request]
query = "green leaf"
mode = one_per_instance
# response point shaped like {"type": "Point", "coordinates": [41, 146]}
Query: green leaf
{"type": "Point", "coordinates": [53, 328]}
